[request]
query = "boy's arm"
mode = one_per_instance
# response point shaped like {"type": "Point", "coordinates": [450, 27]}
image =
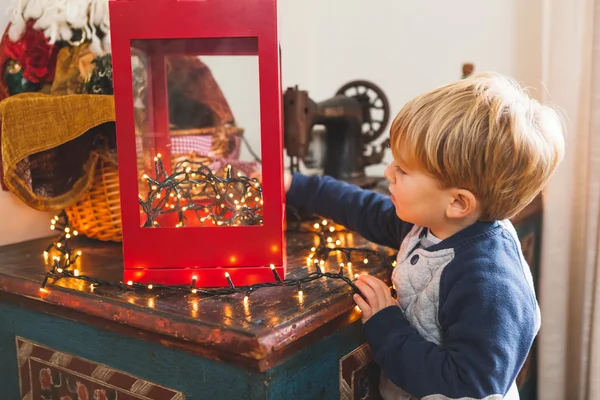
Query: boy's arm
{"type": "Point", "coordinates": [370, 214]}
{"type": "Point", "coordinates": [488, 322]}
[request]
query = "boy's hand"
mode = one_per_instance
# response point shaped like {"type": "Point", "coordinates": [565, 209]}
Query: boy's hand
{"type": "Point", "coordinates": [287, 179]}
{"type": "Point", "coordinates": [377, 295]}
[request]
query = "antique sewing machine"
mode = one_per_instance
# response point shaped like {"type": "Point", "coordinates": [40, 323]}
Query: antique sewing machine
{"type": "Point", "coordinates": [356, 116]}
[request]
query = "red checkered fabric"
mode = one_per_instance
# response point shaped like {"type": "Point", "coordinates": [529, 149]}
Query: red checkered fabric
{"type": "Point", "coordinates": [201, 145]}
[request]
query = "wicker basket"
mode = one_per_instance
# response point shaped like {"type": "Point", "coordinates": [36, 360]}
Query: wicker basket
{"type": "Point", "coordinates": [97, 214]}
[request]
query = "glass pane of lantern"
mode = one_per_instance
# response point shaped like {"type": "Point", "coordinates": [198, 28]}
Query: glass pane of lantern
{"type": "Point", "coordinates": [197, 121]}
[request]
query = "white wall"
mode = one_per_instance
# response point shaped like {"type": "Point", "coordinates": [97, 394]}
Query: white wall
{"type": "Point", "coordinates": [403, 46]}
{"type": "Point", "coordinates": [406, 47]}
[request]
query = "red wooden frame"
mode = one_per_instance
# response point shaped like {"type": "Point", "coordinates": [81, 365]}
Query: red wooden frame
{"type": "Point", "coordinates": [174, 256]}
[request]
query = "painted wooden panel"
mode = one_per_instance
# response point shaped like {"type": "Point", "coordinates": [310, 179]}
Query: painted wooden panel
{"type": "Point", "coordinates": [359, 375]}
{"type": "Point", "coordinates": [45, 373]}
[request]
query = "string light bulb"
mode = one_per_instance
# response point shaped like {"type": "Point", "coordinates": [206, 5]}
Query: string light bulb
{"type": "Point", "coordinates": [229, 281]}
{"type": "Point", "coordinates": [275, 274]}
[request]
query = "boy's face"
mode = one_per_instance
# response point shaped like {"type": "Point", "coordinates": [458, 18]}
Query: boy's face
{"type": "Point", "coordinates": [418, 197]}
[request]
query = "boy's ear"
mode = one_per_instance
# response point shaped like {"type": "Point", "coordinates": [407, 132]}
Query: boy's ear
{"type": "Point", "coordinates": [463, 204]}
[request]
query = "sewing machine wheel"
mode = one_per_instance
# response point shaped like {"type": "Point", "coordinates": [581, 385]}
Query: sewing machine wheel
{"type": "Point", "coordinates": [375, 105]}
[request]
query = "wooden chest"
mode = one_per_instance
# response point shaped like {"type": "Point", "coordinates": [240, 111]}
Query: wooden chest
{"type": "Point", "coordinates": [74, 343]}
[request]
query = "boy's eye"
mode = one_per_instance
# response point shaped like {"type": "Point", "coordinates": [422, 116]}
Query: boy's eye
{"type": "Point", "coordinates": [400, 170]}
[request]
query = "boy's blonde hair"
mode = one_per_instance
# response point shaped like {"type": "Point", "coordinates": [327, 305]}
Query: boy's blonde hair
{"type": "Point", "coordinates": [484, 134]}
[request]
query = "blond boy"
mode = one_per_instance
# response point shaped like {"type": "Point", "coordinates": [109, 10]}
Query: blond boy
{"type": "Point", "coordinates": [467, 157]}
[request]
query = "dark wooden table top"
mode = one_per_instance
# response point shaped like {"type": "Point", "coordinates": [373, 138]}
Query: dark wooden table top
{"type": "Point", "coordinates": [273, 325]}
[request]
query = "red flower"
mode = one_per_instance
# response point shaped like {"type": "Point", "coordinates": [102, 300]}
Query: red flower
{"type": "Point", "coordinates": [46, 378]}
{"type": "Point", "coordinates": [82, 392]}
{"type": "Point", "coordinates": [36, 56]}
{"type": "Point", "coordinates": [100, 394]}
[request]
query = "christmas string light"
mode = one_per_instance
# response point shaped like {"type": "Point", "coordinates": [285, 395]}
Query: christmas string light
{"type": "Point", "coordinates": [60, 224]}
{"type": "Point", "coordinates": [190, 190]}
{"type": "Point", "coordinates": [62, 267]}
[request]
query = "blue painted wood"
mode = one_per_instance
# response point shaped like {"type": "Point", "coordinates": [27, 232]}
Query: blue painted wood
{"type": "Point", "coordinates": [9, 375]}
{"type": "Point", "coordinates": [314, 373]}
{"type": "Point", "coordinates": [197, 377]}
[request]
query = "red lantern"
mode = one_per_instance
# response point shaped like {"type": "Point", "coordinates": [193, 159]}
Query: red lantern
{"type": "Point", "coordinates": [196, 217]}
